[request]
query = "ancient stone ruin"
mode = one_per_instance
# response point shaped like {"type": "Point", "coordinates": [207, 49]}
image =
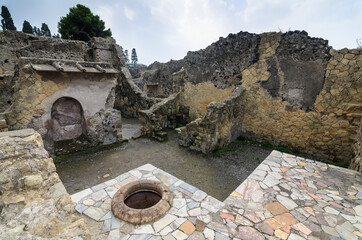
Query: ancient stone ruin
{"type": "Point", "coordinates": [60, 96]}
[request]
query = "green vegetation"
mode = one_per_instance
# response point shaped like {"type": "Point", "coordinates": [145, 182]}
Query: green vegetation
{"type": "Point", "coordinates": [134, 57]}
{"type": "Point", "coordinates": [27, 28]}
{"type": "Point", "coordinates": [7, 23]}
{"type": "Point", "coordinates": [81, 24]}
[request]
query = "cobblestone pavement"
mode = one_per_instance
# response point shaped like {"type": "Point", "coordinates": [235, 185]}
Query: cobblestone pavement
{"type": "Point", "coordinates": [286, 197]}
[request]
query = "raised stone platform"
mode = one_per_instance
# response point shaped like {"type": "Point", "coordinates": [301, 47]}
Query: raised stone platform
{"type": "Point", "coordinates": [286, 197]}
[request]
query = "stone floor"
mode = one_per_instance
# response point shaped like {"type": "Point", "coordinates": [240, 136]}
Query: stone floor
{"type": "Point", "coordinates": [286, 197]}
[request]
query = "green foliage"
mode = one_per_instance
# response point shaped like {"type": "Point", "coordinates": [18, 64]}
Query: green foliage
{"type": "Point", "coordinates": [7, 22]}
{"type": "Point", "coordinates": [126, 56]}
{"type": "Point", "coordinates": [27, 28]}
{"type": "Point", "coordinates": [134, 57]}
{"type": "Point", "coordinates": [81, 24]}
{"type": "Point", "coordinates": [45, 30]}
{"type": "Point", "coordinates": [221, 151]}
{"type": "Point", "coordinates": [36, 31]}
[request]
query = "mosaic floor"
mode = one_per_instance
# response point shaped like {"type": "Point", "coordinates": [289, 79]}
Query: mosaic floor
{"type": "Point", "coordinates": [286, 197]}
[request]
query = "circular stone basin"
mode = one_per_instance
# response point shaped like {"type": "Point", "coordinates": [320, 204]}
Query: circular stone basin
{"type": "Point", "coordinates": [141, 201]}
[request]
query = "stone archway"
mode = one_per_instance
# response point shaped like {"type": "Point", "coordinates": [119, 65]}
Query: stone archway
{"type": "Point", "coordinates": [67, 119]}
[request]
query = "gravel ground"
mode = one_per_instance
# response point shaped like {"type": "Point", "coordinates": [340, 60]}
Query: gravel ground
{"type": "Point", "coordinates": [218, 174]}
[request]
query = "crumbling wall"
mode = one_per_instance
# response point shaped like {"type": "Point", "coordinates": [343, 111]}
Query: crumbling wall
{"type": "Point", "coordinates": [218, 127]}
{"type": "Point", "coordinates": [129, 98]}
{"type": "Point", "coordinates": [37, 91]}
{"type": "Point", "coordinates": [325, 127]}
{"type": "Point", "coordinates": [180, 108]}
{"type": "Point", "coordinates": [356, 162]}
{"type": "Point", "coordinates": [298, 92]}
{"type": "Point", "coordinates": [14, 45]}
{"type": "Point", "coordinates": [221, 63]}
{"type": "Point", "coordinates": [198, 96]}
{"type": "Point", "coordinates": [33, 201]}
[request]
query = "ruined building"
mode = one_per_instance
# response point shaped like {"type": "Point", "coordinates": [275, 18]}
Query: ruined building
{"type": "Point", "coordinates": [65, 90]}
{"type": "Point", "coordinates": [285, 88]}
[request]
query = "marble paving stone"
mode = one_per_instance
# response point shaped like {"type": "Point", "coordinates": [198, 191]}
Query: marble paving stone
{"type": "Point", "coordinates": [209, 233]}
{"type": "Point", "coordinates": [99, 187]}
{"type": "Point", "coordinates": [147, 167]}
{"type": "Point", "coordinates": [188, 187]}
{"type": "Point", "coordinates": [345, 234]}
{"type": "Point", "coordinates": [286, 202]}
{"type": "Point", "coordinates": [163, 222]}
{"type": "Point", "coordinates": [80, 207]}
{"type": "Point", "coordinates": [178, 203]}
{"type": "Point", "coordinates": [114, 235]}
{"type": "Point", "coordinates": [95, 213]}
{"type": "Point", "coordinates": [140, 237]}
{"type": "Point", "coordinates": [122, 177]}
{"type": "Point", "coordinates": [79, 195]}
{"type": "Point", "coordinates": [212, 204]}
{"type": "Point", "coordinates": [148, 229]}
{"type": "Point", "coordinates": [286, 197]}
{"type": "Point", "coordinates": [187, 227]}
{"type": "Point", "coordinates": [179, 235]}
{"type": "Point", "coordinates": [270, 181]}
{"type": "Point", "coordinates": [199, 195]}
{"type": "Point", "coordinates": [99, 195]}
{"type": "Point", "coordinates": [165, 177]}
{"type": "Point", "coordinates": [166, 231]}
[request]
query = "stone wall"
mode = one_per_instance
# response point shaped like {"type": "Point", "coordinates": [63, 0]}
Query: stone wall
{"type": "Point", "coordinates": [181, 108]}
{"type": "Point", "coordinates": [129, 98]}
{"type": "Point", "coordinates": [221, 63]}
{"type": "Point", "coordinates": [37, 91]}
{"type": "Point", "coordinates": [298, 91]}
{"type": "Point", "coordinates": [356, 162]}
{"type": "Point", "coordinates": [218, 127]}
{"type": "Point", "coordinates": [33, 201]}
{"type": "Point", "coordinates": [324, 129]}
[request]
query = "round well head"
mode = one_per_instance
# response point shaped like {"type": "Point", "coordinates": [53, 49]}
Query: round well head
{"type": "Point", "coordinates": [142, 201]}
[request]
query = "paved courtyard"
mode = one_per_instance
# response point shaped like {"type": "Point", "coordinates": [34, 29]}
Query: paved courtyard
{"type": "Point", "coordinates": [286, 197]}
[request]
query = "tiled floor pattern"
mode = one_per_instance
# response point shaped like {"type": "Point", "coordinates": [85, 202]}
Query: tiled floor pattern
{"type": "Point", "coordinates": [286, 197]}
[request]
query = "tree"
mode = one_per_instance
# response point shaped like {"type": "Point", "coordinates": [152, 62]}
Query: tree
{"type": "Point", "coordinates": [45, 30]}
{"type": "Point", "coordinates": [27, 28]}
{"type": "Point", "coordinates": [7, 22]}
{"type": "Point", "coordinates": [36, 31]}
{"type": "Point", "coordinates": [126, 56]}
{"type": "Point", "coordinates": [81, 24]}
{"type": "Point", "coordinates": [134, 57]}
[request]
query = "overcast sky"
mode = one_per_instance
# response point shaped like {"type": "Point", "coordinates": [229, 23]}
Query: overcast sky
{"type": "Point", "coordinates": [161, 30]}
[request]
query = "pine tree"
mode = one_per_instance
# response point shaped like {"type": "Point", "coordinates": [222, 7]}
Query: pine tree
{"type": "Point", "coordinates": [36, 31]}
{"type": "Point", "coordinates": [45, 30]}
{"type": "Point", "coordinates": [126, 55]}
{"type": "Point", "coordinates": [7, 22]}
{"type": "Point", "coordinates": [81, 24]}
{"type": "Point", "coordinates": [134, 57]}
{"type": "Point", "coordinates": [27, 28]}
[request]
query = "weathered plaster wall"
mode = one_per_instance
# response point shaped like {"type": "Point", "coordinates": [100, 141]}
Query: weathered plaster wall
{"type": "Point", "coordinates": [183, 107]}
{"type": "Point", "coordinates": [33, 201]}
{"type": "Point", "coordinates": [129, 98]}
{"type": "Point", "coordinates": [220, 125]}
{"type": "Point", "coordinates": [36, 93]}
{"type": "Point", "coordinates": [298, 92]}
{"type": "Point", "coordinates": [198, 96]}
{"type": "Point", "coordinates": [326, 131]}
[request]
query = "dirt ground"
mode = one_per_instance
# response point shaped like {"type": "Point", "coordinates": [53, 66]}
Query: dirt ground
{"type": "Point", "coordinates": [218, 174]}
